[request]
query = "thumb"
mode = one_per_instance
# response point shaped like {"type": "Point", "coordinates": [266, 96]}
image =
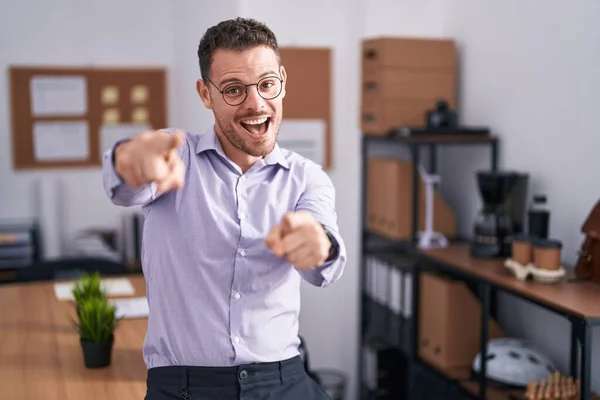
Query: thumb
{"type": "Point", "coordinates": [274, 240]}
{"type": "Point", "coordinates": [293, 220]}
{"type": "Point", "coordinates": [165, 142]}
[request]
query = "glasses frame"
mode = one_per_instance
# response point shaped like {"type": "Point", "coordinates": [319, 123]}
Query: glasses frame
{"type": "Point", "coordinates": [246, 87]}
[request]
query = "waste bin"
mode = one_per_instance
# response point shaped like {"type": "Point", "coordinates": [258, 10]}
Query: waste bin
{"type": "Point", "coordinates": [333, 382]}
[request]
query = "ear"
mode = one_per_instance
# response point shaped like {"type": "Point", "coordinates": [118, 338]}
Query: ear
{"type": "Point", "coordinates": [204, 93]}
{"type": "Point", "coordinates": [284, 77]}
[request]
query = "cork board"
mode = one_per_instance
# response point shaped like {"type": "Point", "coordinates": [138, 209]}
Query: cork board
{"type": "Point", "coordinates": [308, 89]}
{"type": "Point", "coordinates": [49, 106]}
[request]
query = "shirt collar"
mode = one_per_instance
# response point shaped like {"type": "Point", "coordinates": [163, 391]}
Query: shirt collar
{"type": "Point", "coordinates": [210, 141]}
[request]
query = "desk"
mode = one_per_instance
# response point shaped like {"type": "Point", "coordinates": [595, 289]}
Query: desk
{"type": "Point", "coordinates": [575, 298]}
{"type": "Point", "coordinates": [40, 354]}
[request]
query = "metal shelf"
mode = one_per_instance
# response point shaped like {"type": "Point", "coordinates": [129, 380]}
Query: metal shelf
{"type": "Point", "coordinates": [377, 322]}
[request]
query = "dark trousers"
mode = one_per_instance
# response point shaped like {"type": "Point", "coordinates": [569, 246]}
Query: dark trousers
{"type": "Point", "coordinates": [285, 380]}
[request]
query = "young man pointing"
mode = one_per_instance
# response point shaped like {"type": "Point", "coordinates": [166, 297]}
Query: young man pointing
{"type": "Point", "coordinates": [233, 223]}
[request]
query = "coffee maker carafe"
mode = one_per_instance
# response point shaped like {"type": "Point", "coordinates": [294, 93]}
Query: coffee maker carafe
{"type": "Point", "coordinates": [495, 224]}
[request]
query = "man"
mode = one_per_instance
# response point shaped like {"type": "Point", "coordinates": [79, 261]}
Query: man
{"type": "Point", "coordinates": [233, 223]}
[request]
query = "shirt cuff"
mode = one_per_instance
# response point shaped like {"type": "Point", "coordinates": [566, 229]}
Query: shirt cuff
{"type": "Point", "coordinates": [112, 179]}
{"type": "Point", "coordinates": [330, 271]}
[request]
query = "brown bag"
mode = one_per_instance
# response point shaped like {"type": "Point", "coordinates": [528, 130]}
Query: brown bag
{"type": "Point", "coordinates": [588, 265]}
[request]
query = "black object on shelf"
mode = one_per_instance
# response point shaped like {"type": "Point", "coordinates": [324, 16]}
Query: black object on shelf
{"type": "Point", "coordinates": [442, 116]}
{"type": "Point", "coordinates": [449, 131]}
{"type": "Point", "coordinates": [494, 224]}
{"type": "Point", "coordinates": [538, 218]}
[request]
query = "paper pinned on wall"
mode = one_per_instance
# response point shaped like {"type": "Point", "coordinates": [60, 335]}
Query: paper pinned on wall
{"type": "Point", "coordinates": [111, 116]}
{"type": "Point", "coordinates": [139, 94]}
{"type": "Point", "coordinates": [58, 95]}
{"type": "Point", "coordinates": [304, 136]}
{"type": "Point", "coordinates": [110, 95]}
{"type": "Point", "coordinates": [110, 134]}
{"type": "Point", "coordinates": [140, 115]}
{"type": "Point", "coordinates": [59, 141]}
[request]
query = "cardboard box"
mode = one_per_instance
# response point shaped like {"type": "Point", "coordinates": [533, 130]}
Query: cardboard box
{"type": "Point", "coordinates": [379, 118]}
{"type": "Point", "coordinates": [399, 84]}
{"type": "Point", "coordinates": [402, 79]}
{"type": "Point", "coordinates": [449, 322]}
{"type": "Point", "coordinates": [407, 52]}
{"type": "Point", "coordinates": [389, 202]}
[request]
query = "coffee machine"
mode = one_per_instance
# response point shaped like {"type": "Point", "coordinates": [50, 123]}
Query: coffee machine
{"type": "Point", "coordinates": [504, 196]}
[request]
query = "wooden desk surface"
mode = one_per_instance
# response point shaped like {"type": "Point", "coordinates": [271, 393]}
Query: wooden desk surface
{"type": "Point", "coordinates": [579, 298]}
{"type": "Point", "coordinates": [40, 354]}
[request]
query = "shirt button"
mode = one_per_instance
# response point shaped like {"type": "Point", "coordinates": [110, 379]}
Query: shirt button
{"type": "Point", "coordinates": [237, 339]}
{"type": "Point", "coordinates": [237, 296]}
{"type": "Point", "coordinates": [242, 215]}
{"type": "Point", "coordinates": [243, 253]}
{"type": "Point", "coordinates": [243, 177]}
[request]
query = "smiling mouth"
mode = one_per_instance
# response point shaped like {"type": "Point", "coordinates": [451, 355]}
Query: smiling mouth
{"type": "Point", "coordinates": [256, 126]}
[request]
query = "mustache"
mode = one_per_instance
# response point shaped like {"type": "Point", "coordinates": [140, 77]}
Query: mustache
{"type": "Point", "coordinates": [252, 115]}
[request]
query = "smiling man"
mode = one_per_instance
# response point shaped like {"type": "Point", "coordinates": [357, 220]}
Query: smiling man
{"type": "Point", "coordinates": [233, 224]}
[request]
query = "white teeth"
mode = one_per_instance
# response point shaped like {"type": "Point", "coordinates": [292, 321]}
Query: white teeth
{"type": "Point", "coordinates": [255, 121]}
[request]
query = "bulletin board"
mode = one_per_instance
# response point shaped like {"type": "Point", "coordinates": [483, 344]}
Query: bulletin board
{"type": "Point", "coordinates": [58, 114]}
{"type": "Point", "coordinates": [308, 93]}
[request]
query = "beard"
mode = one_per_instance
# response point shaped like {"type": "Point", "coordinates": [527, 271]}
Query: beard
{"type": "Point", "coordinates": [241, 138]}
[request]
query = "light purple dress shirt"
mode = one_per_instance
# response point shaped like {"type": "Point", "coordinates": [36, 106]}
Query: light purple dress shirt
{"type": "Point", "coordinates": [217, 295]}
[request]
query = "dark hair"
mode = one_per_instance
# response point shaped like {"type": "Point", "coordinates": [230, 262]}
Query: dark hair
{"type": "Point", "coordinates": [235, 34]}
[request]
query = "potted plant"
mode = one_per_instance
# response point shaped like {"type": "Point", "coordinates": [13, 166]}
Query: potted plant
{"type": "Point", "coordinates": [96, 324]}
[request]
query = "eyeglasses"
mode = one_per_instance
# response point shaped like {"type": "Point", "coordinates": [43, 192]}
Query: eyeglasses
{"type": "Point", "coordinates": [235, 94]}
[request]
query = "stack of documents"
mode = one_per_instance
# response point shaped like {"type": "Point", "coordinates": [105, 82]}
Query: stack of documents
{"type": "Point", "coordinates": [130, 307]}
{"type": "Point", "coordinates": [112, 286]}
{"type": "Point", "coordinates": [136, 307]}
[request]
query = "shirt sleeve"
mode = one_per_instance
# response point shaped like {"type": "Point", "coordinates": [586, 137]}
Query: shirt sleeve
{"type": "Point", "coordinates": [319, 199]}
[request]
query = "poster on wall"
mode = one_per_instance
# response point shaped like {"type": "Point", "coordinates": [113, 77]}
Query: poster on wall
{"type": "Point", "coordinates": [58, 96]}
{"type": "Point", "coordinates": [61, 140]}
{"type": "Point", "coordinates": [305, 137]}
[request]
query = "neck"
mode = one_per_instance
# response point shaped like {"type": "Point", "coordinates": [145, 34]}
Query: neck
{"type": "Point", "coordinates": [239, 157]}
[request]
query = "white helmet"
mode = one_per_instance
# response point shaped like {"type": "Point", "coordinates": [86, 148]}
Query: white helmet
{"type": "Point", "coordinates": [514, 362]}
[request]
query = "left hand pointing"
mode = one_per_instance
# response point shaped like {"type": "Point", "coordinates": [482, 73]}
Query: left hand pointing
{"type": "Point", "coordinates": [301, 239]}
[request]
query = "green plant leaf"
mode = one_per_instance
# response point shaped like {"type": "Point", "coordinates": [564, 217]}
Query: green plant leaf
{"type": "Point", "coordinates": [88, 286]}
{"type": "Point", "coordinates": [96, 319]}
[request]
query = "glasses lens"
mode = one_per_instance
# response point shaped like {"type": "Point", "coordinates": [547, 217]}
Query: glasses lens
{"type": "Point", "coordinates": [234, 94]}
{"type": "Point", "coordinates": [269, 87]}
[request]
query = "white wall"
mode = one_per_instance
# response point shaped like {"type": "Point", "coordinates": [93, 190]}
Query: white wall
{"type": "Point", "coordinates": [529, 70]}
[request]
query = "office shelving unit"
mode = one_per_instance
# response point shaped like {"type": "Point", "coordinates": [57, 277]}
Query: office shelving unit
{"type": "Point", "coordinates": [20, 246]}
{"type": "Point", "coordinates": [577, 301]}
{"type": "Point", "coordinates": [378, 325]}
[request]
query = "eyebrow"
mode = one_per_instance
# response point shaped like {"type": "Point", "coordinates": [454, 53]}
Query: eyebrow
{"type": "Point", "coordinates": [237, 80]}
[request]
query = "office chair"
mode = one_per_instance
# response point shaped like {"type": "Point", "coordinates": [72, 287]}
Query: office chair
{"type": "Point", "coordinates": [304, 357]}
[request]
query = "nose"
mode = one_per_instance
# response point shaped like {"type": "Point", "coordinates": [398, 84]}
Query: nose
{"type": "Point", "coordinates": [254, 101]}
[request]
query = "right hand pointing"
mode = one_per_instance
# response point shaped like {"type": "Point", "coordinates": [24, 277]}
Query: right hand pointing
{"type": "Point", "coordinates": [151, 157]}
